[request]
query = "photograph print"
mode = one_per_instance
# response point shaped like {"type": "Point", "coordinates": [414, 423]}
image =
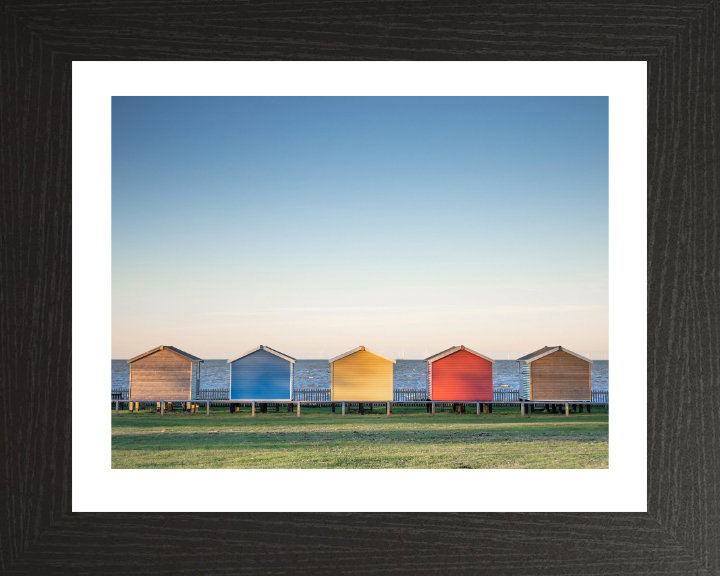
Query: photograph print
{"type": "Point", "coordinates": [360, 282]}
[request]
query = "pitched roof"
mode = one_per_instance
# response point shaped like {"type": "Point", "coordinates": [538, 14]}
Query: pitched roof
{"type": "Point", "coordinates": [542, 351]}
{"type": "Point", "coordinates": [172, 349]}
{"type": "Point", "coordinates": [267, 349]}
{"type": "Point", "coordinates": [452, 350]}
{"type": "Point", "coordinates": [359, 349]}
{"type": "Point", "coordinates": [549, 350]}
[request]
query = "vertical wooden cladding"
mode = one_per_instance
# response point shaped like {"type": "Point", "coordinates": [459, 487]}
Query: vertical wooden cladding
{"type": "Point", "coordinates": [162, 375]}
{"type": "Point", "coordinates": [362, 376]}
{"type": "Point", "coordinates": [560, 376]}
{"type": "Point", "coordinates": [461, 376]}
{"type": "Point", "coordinates": [429, 379]}
{"type": "Point", "coordinates": [261, 375]}
{"type": "Point", "coordinates": [525, 381]}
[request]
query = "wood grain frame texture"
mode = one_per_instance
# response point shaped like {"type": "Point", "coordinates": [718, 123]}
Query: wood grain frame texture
{"type": "Point", "coordinates": [680, 534]}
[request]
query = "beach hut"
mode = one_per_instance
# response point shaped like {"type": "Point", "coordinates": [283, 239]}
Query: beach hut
{"type": "Point", "coordinates": [164, 373]}
{"type": "Point", "coordinates": [460, 374]}
{"type": "Point", "coordinates": [361, 375]}
{"type": "Point", "coordinates": [554, 373]}
{"type": "Point", "coordinates": [261, 374]}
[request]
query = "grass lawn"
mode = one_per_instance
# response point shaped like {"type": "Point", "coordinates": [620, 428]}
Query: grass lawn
{"type": "Point", "coordinates": [410, 438]}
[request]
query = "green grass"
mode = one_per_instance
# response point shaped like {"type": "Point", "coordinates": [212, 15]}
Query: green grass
{"type": "Point", "coordinates": [410, 438]}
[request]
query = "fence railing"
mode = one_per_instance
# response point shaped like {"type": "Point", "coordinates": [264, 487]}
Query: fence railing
{"type": "Point", "coordinates": [213, 394]}
{"type": "Point", "coordinates": [506, 395]}
{"type": "Point", "coordinates": [312, 394]}
{"type": "Point", "coordinates": [323, 394]}
{"type": "Point", "coordinates": [410, 395]}
{"type": "Point", "coordinates": [119, 393]}
{"type": "Point", "coordinates": [122, 393]}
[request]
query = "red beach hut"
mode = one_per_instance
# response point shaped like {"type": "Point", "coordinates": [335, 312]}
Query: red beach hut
{"type": "Point", "coordinates": [460, 374]}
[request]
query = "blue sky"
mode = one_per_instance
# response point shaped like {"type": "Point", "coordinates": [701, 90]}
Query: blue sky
{"type": "Point", "coordinates": [319, 224]}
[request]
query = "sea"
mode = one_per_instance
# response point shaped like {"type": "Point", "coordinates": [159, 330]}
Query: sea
{"type": "Point", "coordinates": [408, 374]}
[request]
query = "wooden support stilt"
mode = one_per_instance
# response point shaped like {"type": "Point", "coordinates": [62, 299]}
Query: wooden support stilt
{"type": "Point", "coordinates": [361, 408]}
{"type": "Point", "coordinates": [298, 410]}
{"type": "Point", "coordinates": [486, 408]}
{"type": "Point", "coordinates": [253, 409]}
{"type": "Point", "coordinates": [522, 408]}
{"type": "Point", "coordinates": [478, 408]}
{"type": "Point", "coordinates": [162, 408]}
{"type": "Point", "coordinates": [388, 409]}
{"type": "Point", "coordinates": [567, 409]}
{"type": "Point", "coordinates": [130, 406]}
{"type": "Point", "coordinates": [343, 408]}
{"type": "Point", "coordinates": [433, 409]}
{"type": "Point", "coordinates": [207, 407]}
{"type": "Point", "coordinates": [117, 407]}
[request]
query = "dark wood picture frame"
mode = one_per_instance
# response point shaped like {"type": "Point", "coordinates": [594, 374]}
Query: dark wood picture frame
{"type": "Point", "coordinates": [680, 533]}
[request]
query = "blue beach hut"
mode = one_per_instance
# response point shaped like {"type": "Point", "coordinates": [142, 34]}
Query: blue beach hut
{"type": "Point", "coordinates": [261, 374]}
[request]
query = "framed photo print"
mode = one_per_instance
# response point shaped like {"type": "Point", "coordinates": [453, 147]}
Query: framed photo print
{"type": "Point", "coordinates": [359, 315]}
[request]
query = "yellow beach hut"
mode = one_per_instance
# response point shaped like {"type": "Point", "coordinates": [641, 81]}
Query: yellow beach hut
{"type": "Point", "coordinates": [361, 375]}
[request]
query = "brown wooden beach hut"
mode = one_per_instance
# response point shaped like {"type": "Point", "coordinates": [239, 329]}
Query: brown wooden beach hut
{"type": "Point", "coordinates": [554, 373]}
{"type": "Point", "coordinates": [164, 373]}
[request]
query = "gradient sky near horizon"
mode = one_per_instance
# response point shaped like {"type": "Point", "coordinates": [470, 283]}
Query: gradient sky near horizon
{"type": "Point", "coordinates": [315, 225]}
